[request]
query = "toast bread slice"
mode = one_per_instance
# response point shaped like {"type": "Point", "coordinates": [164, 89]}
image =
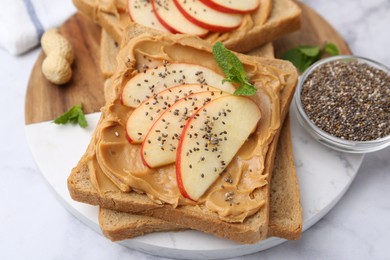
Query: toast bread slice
{"type": "Point", "coordinates": [285, 219]}
{"type": "Point", "coordinates": [274, 19]}
{"type": "Point", "coordinates": [254, 228]}
{"type": "Point", "coordinates": [109, 49]}
{"type": "Point", "coordinates": [117, 225]}
{"type": "Point", "coordinates": [285, 211]}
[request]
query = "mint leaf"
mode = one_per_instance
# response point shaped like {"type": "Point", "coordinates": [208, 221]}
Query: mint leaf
{"type": "Point", "coordinates": [82, 120]}
{"type": "Point", "coordinates": [308, 62]}
{"type": "Point", "coordinates": [299, 59]}
{"type": "Point", "coordinates": [74, 115]}
{"type": "Point", "coordinates": [296, 57]}
{"type": "Point", "coordinates": [310, 51]}
{"type": "Point", "coordinates": [227, 61]}
{"type": "Point", "coordinates": [304, 56]}
{"type": "Point", "coordinates": [233, 69]}
{"type": "Point", "coordinates": [331, 49]}
{"type": "Point", "coordinates": [245, 90]}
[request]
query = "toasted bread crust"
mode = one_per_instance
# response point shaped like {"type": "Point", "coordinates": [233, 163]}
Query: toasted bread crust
{"type": "Point", "coordinates": [109, 49]}
{"type": "Point", "coordinates": [117, 225]}
{"type": "Point", "coordinates": [285, 207]}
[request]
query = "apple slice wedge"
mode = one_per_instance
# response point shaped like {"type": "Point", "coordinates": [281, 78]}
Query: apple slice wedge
{"type": "Point", "coordinates": [159, 146]}
{"type": "Point", "coordinates": [233, 7]}
{"type": "Point", "coordinates": [210, 140]}
{"type": "Point", "coordinates": [154, 80]}
{"type": "Point", "coordinates": [208, 18]}
{"type": "Point", "coordinates": [141, 12]}
{"type": "Point", "coordinates": [170, 17]}
{"type": "Point", "coordinates": [143, 118]}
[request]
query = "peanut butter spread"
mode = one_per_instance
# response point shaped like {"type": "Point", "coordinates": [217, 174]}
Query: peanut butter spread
{"type": "Point", "coordinates": [118, 9]}
{"type": "Point", "coordinates": [115, 164]}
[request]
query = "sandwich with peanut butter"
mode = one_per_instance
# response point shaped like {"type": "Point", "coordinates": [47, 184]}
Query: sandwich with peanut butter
{"type": "Point", "coordinates": [240, 25]}
{"type": "Point", "coordinates": [175, 143]}
{"type": "Point", "coordinates": [285, 218]}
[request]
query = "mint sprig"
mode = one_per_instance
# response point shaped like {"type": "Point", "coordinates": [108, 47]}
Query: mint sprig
{"type": "Point", "coordinates": [74, 115]}
{"type": "Point", "coordinates": [304, 56]}
{"type": "Point", "coordinates": [233, 70]}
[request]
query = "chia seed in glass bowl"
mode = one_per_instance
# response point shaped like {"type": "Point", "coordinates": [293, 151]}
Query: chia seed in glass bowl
{"type": "Point", "coordinates": [344, 103]}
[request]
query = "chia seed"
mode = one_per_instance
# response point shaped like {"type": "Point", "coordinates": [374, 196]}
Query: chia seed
{"type": "Point", "coordinates": [229, 196]}
{"type": "Point", "coordinates": [349, 100]}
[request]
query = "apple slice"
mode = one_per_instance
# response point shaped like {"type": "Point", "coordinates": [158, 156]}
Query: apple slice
{"type": "Point", "coordinates": [143, 118]}
{"type": "Point", "coordinates": [170, 17]}
{"type": "Point", "coordinates": [146, 84]}
{"type": "Point", "coordinates": [208, 18]}
{"type": "Point", "coordinates": [210, 140]}
{"type": "Point", "coordinates": [141, 11]}
{"type": "Point", "coordinates": [233, 7]}
{"type": "Point", "coordinates": [159, 146]}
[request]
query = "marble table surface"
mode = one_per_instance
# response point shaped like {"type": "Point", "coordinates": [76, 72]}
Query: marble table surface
{"type": "Point", "coordinates": [34, 225]}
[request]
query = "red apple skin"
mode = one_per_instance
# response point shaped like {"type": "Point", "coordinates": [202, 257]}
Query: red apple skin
{"type": "Point", "coordinates": [202, 24]}
{"type": "Point", "coordinates": [180, 184]}
{"type": "Point", "coordinates": [224, 9]}
{"type": "Point", "coordinates": [167, 26]}
{"type": "Point", "coordinates": [121, 99]}
{"type": "Point", "coordinates": [129, 138]}
{"type": "Point", "coordinates": [143, 159]}
{"type": "Point", "coordinates": [143, 148]}
{"type": "Point", "coordinates": [142, 152]}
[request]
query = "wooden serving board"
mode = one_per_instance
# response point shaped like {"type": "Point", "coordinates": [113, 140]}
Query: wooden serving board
{"type": "Point", "coordinates": [46, 101]}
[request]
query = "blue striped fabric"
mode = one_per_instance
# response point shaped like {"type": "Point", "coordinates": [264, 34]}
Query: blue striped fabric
{"type": "Point", "coordinates": [34, 18]}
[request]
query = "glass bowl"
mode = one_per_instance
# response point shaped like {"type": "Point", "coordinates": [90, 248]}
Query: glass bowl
{"type": "Point", "coordinates": [324, 137]}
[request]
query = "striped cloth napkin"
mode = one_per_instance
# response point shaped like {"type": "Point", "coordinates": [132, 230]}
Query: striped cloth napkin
{"type": "Point", "coordinates": [22, 22]}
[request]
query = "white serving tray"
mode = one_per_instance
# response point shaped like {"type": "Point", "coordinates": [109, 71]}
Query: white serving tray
{"type": "Point", "coordinates": [324, 176]}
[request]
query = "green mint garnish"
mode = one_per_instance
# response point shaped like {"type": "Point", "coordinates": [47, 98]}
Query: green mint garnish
{"type": "Point", "coordinates": [233, 70]}
{"type": "Point", "coordinates": [74, 115]}
{"type": "Point", "coordinates": [304, 56]}
{"type": "Point", "coordinates": [331, 49]}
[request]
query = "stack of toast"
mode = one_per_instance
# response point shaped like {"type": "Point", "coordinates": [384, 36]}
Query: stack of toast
{"type": "Point", "coordinates": [126, 209]}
